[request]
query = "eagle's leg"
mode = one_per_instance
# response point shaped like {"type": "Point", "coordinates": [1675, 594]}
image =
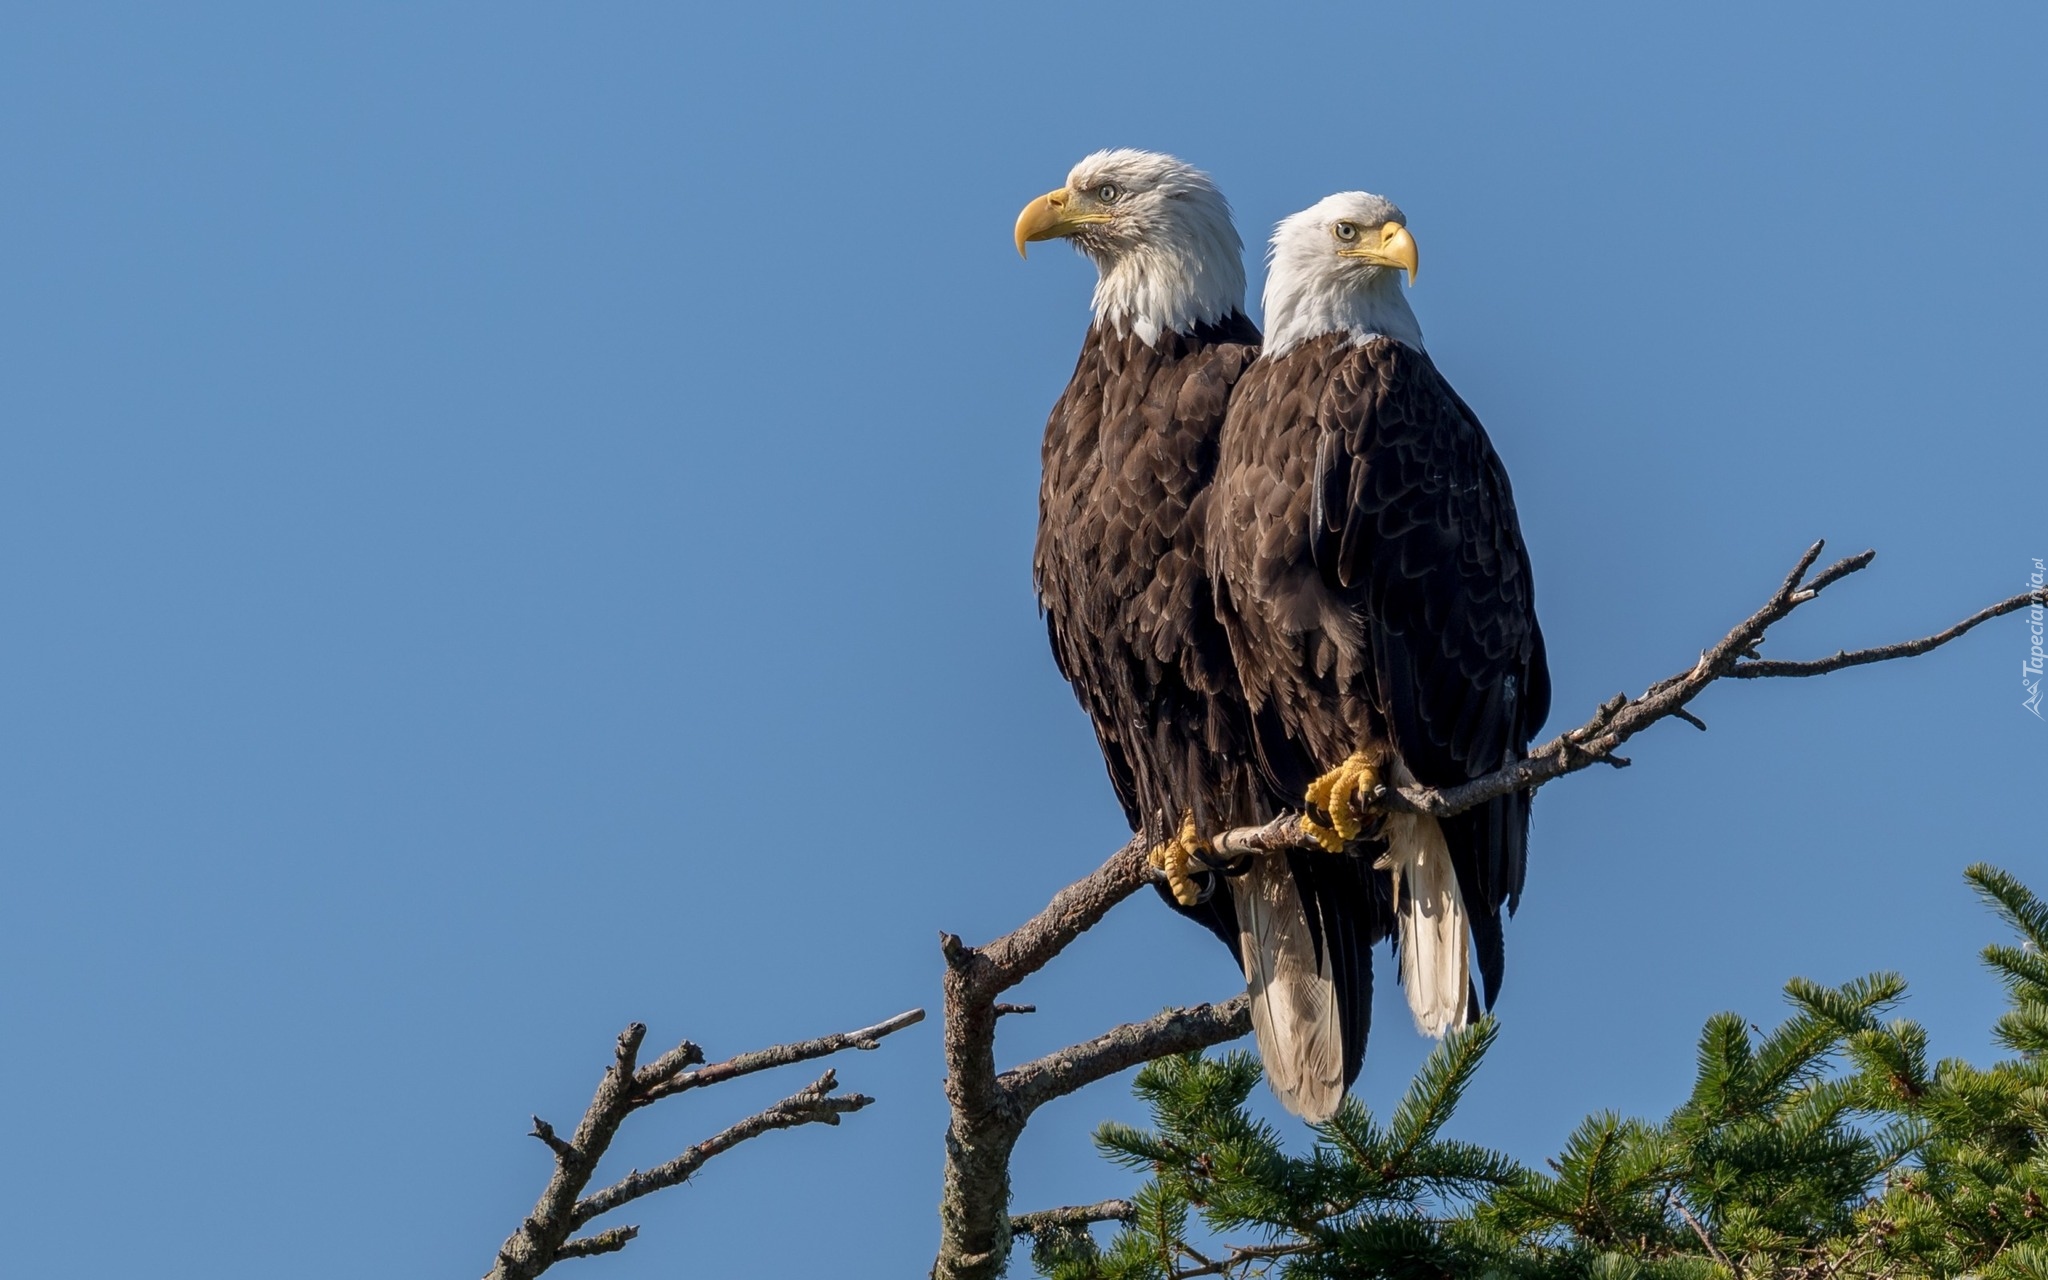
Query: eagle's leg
{"type": "Point", "coordinates": [1172, 858]}
{"type": "Point", "coordinates": [1335, 797]}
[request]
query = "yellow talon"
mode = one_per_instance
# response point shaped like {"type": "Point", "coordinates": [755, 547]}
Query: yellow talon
{"type": "Point", "coordinates": [1337, 794]}
{"type": "Point", "coordinates": [1172, 858]}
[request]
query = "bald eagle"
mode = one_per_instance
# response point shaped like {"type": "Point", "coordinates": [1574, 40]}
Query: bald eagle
{"type": "Point", "coordinates": [1123, 578]}
{"type": "Point", "coordinates": [1376, 591]}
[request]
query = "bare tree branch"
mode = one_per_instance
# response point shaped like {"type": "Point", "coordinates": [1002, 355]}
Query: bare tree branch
{"type": "Point", "coordinates": [1621, 717]}
{"type": "Point", "coordinates": [1763, 667]}
{"type": "Point", "coordinates": [603, 1242]}
{"type": "Point", "coordinates": [533, 1248]}
{"type": "Point", "coordinates": [1077, 1215]}
{"type": "Point", "coordinates": [1073, 911]}
{"type": "Point", "coordinates": [781, 1055]}
{"type": "Point", "coordinates": [1175, 1031]}
{"type": "Point", "coordinates": [989, 1111]}
{"type": "Point", "coordinates": [813, 1105]}
{"type": "Point", "coordinates": [546, 1133]}
{"type": "Point", "coordinates": [543, 1239]}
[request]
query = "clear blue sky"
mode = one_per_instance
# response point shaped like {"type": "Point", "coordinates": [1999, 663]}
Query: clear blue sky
{"type": "Point", "coordinates": [516, 518]}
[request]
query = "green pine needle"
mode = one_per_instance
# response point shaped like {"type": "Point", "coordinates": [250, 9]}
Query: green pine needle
{"type": "Point", "coordinates": [1825, 1146]}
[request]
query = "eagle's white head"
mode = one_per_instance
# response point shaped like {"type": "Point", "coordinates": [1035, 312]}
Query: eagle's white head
{"type": "Point", "coordinates": [1335, 267]}
{"type": "Point", "coordinates": [1167, 253]}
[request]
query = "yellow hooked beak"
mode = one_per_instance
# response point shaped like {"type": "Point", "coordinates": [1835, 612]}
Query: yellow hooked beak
{"type": "Point", "coordinates": [1396, 248]}
{"type": "Point", "coordinates": [1052, 215]}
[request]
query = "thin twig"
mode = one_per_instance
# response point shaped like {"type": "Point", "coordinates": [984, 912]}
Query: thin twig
{"type": "Point", "coordinates": [603, 1242]}
{"type": "Point", "coordinates": [546, 1133]}
{"type": "Point", "coordinates": [1713, 1250]}
{"type": "Point", "coordinates": [1241, 1254]}
{"type": "Point", "coordinates": [1761, 668]}
{"type": "Point", "coordinates": [813, 1105]}
{"type": "Point", "coordinates": [781, 1055]}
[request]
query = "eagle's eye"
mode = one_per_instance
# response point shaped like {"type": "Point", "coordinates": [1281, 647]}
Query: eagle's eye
{"type": "Point", "coordinates": [1107, 193]}
{"type": "Point", "coordinates": [1345, 231]}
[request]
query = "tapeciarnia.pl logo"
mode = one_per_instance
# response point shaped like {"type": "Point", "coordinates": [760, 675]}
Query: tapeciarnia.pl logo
{"type": "Point", "coordinates": [2030, 670]}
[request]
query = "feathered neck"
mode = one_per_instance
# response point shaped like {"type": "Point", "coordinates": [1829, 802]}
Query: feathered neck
{"type": "Point", "coordinates": [1171, 283]}
{"type": "Point", "coordinates": [1365, 302]}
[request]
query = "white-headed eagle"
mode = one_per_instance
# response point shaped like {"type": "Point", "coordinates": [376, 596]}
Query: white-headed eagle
{"type": "Point", "coordinates": [1373, 582]}
{"type": "Point", "coordinates": [1123, 576]}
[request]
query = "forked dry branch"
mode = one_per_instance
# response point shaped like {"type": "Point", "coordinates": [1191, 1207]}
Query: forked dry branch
{"type": "Point", "coordinates": [545, 1237]}
{"type": "Point", "coordinates": [990, 1109]}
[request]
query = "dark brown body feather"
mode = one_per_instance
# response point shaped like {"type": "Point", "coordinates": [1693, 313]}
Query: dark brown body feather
{"type": "Point", "coordinates": [1377, 591]}
{"type": "Point", "coordinates": [1121, 574]}
{"type": "Point", "coordinates": [1124, 579]}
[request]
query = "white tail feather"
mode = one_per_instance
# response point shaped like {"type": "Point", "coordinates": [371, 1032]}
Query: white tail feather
{"type": "Point", "coordinates": [1436, 963]}
{"type": "Point", "coordinates": [1294, 998]}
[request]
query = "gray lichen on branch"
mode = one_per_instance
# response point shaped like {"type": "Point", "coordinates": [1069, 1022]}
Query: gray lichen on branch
{"type": "Point", "coordinates": [1078, 1215]}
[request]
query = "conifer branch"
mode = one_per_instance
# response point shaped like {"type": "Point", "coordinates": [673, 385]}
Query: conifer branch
{"type": "Point", "coordinates": [1437, 1088]}
{"type": "Point", "coordinates": [1822, 1149]}
{"type": "Point", "coordinates": [543, 1239]}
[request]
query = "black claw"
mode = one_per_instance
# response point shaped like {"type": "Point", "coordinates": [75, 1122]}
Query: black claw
{"type": "Point", "coordinates": [1213, 862]}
